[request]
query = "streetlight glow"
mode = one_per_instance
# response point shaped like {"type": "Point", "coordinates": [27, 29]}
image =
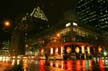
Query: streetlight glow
{"type": "Point", "coordinates": [6, 23]}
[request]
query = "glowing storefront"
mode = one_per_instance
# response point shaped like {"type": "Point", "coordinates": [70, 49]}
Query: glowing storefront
{"type": "Point", "coordinates": [72, 42]}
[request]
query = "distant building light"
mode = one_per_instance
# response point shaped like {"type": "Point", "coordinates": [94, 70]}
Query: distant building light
{"type": "Point", "coordinates": [68, 24]}
{"type": "Point", "coordinates": [38, 13]}
{"type": "Point", "coordinates": [75, 24]}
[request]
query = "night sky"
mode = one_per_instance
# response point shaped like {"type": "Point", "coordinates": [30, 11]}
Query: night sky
{"type": "Point", "coordinates": [15, 7]}
{"type": "Point", "coordinates": [53, 9]}
{"type": "Point", "coordinates": [9, 10]}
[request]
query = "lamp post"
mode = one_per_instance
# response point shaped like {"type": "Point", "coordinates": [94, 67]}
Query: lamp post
{"type": "Point", "coordinates": [4, 36]}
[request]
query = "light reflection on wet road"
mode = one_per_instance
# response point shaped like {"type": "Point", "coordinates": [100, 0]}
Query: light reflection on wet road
{"type": "Point", "coordinates": [67, 65]}
{"type": "Point", "coordinates": [64, 65]}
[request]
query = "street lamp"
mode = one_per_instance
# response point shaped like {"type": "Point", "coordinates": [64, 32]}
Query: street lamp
{"type": "Point", "coordinates": [7, 29]}
{"type": "Point", "coordinates": [7, 24]}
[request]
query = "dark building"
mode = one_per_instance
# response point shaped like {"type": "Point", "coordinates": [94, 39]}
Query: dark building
{"type": "Point", "coordinates": [17, 43]}
{"type": "Point", "coordinates": [93, 13]}
{"type": "Point", "coordinates": [30, 26]}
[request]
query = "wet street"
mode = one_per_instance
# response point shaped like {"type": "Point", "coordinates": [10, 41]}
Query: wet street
{"type": "Point", "coordinates": [56, 65]}
{"type": "Point", "coordinates": [68, 65]}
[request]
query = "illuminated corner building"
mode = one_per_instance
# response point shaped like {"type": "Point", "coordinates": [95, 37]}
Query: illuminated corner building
{"type": "Point", "coordinates": [93, 13]}
{"type": "Point", "coordinates": [73, 41]}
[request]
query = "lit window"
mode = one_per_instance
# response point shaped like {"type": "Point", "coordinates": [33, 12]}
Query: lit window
{"type": "Point", "coordinates": [77, 49]}
{"type": "Point", "coordinates": [68, 50]}
{"type": "Point", "coordinates": [83, 49]}
{"type": "Point", "coordinates": [51, 51]}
